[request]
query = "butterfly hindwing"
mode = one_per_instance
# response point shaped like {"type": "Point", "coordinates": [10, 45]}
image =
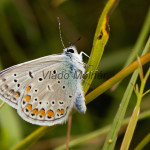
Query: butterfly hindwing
{"type": "Point", "coordinates": [49, 97]}
{"type": "Point", "coordinates": [45, 90]}
{"type": "Point", "coordinates": [14, 79]}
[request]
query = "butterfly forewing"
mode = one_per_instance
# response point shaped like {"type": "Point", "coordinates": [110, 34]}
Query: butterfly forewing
{"type": "Point", "coordinates": [49, 97]}
{"type": "Point", "coordinates": [14, 79]}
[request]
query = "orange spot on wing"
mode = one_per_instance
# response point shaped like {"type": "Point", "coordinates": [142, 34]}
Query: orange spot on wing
{"type": "Point", "coordinates": [67, 108]}
{"type": "Point", "coordinates": [27, 97]}
{"type": "Point", "coordinates": [17, 94]}
{"type": "Point", "coordinates": [35, 111]}
{"type": "Point", "coordinates": [42, 112]}
{"type": "Point", "coordinates": [58, 111]}
{"type": "Point", "coordinates": [29, 106]}
{"type": "Point", "coordinates": [28, 88]}
{"type": "Point", "coordinates": [50, 113]}
{"type": "Point", "coordinates": [62, 111]}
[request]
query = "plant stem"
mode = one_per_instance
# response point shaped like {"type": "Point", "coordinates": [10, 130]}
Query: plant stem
{"type": "Point", "coordinates": [123, 107]}
{"type": "Point", "coordinates": [2, 104]}
{"type": "Point", "coordinates": [119, 76]}
{"type": "Point", "coordinates": [99, 132]}
{"type": "Point", "coordinates": [68, 132]}
{"type": "Point", "coordinates": [143, 143]}
{"type": "Point", "coordinates": [100, 39]}
{"type": "Point", "coordinates": [134, 118]}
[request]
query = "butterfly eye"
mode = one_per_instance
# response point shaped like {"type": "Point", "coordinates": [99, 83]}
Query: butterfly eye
{"type": "Point", "coordinates": [70, 50]}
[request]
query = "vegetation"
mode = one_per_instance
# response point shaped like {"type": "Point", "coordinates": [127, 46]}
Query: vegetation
{"type": "Point", "coordinates": [116, 36]}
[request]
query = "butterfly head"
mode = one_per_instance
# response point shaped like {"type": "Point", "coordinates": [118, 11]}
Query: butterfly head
{"type": "Point", "coordinates": [71, 50]}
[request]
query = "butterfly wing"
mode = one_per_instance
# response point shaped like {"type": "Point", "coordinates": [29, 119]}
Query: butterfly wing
{"type": "Point", "coordinates": [49, 97]}
{"type": "Point", "coordinates": [14, 79]}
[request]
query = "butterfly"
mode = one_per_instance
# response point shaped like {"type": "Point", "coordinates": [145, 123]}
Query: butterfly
{"type": "Point", "coordinates": [45, 90]}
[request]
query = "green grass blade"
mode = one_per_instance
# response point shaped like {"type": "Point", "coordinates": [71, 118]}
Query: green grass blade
{"type": "Point", "coordinates": [30, 140]}
{"type": "Point", "coordinates": [134, 117]}
{"type": "Point", "coordinates": [119, 76]}
{"type": "Point", "coordinates": [2, 104]}
{"type": "Point", "coordinates": [139, 43]}
{"type": "Point", "coordinates": [99, 132]}
{"type": "Point", "coordinates": [130, 129]}
{"type": "Point", "coordinates": [122, 109]}
{"type": "Point", "coordinates": [143, 143]}
{"type": "Point", "coordinates": [100, 40]}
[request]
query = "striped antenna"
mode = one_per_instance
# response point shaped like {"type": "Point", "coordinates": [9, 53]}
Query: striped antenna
{"type": "Point", "coordinates": [60, 32]}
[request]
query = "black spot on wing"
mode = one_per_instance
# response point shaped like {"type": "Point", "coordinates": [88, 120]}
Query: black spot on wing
{"type": "Point", "coordinates": [30, 74]}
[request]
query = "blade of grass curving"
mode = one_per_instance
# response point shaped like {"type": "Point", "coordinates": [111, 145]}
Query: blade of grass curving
{"type": "Point", "coordinates": [139, 43]}
{"type": "Point", "coordinates": [33, 137]}
{"type": "Point", "coordinates": [100, 40]}
{"type": "Point", "coordinates": [134, 117]}
{"type": "Point", "coordinates": [143, 143]}
{"type": "Point", "coordinates": [99, 132]}
{"type": "Point", "coordinates": [2, 104]}
{"type": "Point", "coordinates": [119, 76]}
{"type": "Point", "coordinates": [122, 109]}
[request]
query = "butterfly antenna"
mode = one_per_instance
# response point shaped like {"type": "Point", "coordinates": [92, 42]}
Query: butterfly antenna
{"type": "Point", "coordinates": [76, 41]}
{"type": "Point", "coordinates": [60, 32]}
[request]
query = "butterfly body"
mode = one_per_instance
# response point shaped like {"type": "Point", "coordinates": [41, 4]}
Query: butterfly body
{"type": "Point", "coordinates": [45, 90]}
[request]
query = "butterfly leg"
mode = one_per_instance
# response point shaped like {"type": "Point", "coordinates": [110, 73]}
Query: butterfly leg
{"type": "Point", "coordinates": [80, 102]}
{"type": "Point", "coordinates": [90, 72]}
{"type": "Point", "coordinates": [82, 53]}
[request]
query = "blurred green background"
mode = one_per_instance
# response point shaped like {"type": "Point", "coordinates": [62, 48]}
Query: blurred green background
{"type": "Point", "coordinates": [29, 29]}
